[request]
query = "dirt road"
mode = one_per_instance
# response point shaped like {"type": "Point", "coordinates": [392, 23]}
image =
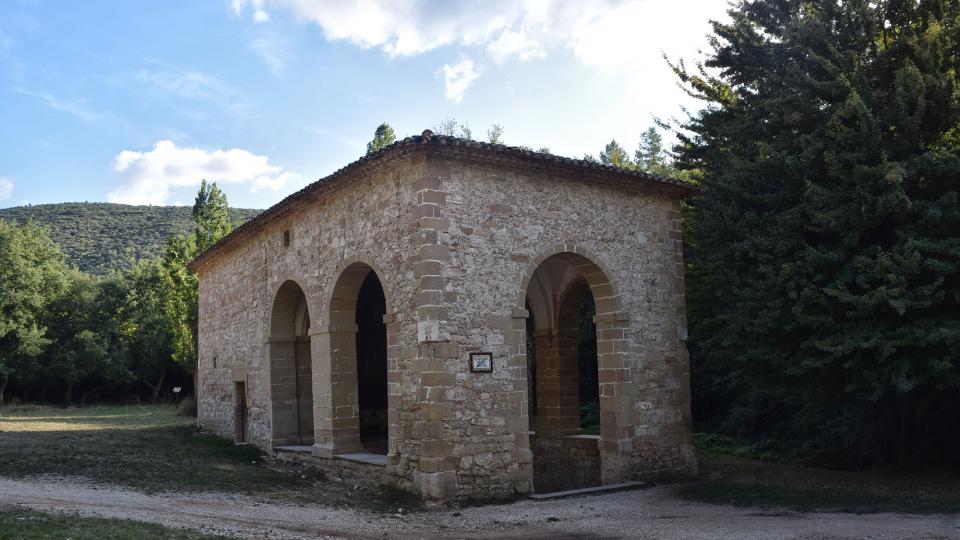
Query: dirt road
{"type": "Point", "coordinates": [648, 513]}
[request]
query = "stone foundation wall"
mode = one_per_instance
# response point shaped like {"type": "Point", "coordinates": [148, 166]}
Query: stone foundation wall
{"type": "Point", "coordinates": [565, 463]}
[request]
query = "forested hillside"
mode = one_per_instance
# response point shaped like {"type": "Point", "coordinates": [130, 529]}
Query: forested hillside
{"type": "Point", "coordinates": [98, 237]}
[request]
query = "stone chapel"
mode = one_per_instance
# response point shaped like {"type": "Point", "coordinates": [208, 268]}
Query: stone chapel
{"type": "Point", "coordinates": [459, 319]}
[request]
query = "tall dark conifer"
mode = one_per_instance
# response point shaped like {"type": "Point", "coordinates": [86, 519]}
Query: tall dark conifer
{"type": "Point", "coordinates": [824, 253]}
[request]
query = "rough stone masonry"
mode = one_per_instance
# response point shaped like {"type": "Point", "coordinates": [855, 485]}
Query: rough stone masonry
{"type": "Point", "coordinates": [337, 326]}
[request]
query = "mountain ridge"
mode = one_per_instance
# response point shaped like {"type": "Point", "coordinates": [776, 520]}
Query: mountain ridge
{"type": "Point", "coordinates": [99, 237]}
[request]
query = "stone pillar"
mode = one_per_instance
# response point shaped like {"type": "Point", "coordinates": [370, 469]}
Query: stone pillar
{"type": "Point", "coordinates": [616, 401]}
{"type": "Point", "coordinates": [304, 389]}
{"type": "Point", "coordinates": [558, 396]}
{"type": "Point", "coordinates": [394, 391]}
{"type": "Point", "coordinates": [283, 390]}
{"type": "Point", "coordinates": [436, 477]}
{"type": "Point", "coordinates": [519, 424]}
{"type": "Point", "coordinates": [337, 409]}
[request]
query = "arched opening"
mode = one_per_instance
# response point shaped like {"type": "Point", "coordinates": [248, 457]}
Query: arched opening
{"type": "Point", "coordinates": [358, 360]}
{"type": "Point", "coordinates": [566, 411]}
{"type": "Point", "coordinates": [291, 374]}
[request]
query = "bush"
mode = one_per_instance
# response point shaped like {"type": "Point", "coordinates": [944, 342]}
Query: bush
{"type": "Point", "coordinates": [187, 407]}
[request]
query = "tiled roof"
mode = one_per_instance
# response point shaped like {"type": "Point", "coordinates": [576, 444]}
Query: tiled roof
{"type": "Point", "coordinates": [456, 146]}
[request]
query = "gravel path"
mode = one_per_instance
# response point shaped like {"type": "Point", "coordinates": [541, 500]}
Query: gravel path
{"type": "Point", "coordinates": [648, 513]}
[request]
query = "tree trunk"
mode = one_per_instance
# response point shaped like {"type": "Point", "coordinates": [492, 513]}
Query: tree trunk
{"type": "Point", "coordinates": [69, 397]}
{"type": "Point", "coordinates": [156, 388]}
{"type": "Point", "coordinates": [88, 393]}
{"type": "Point", "coordinates": [3, 387]}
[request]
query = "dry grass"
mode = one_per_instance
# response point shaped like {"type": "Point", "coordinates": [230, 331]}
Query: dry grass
{"type": "Point", "coordinates": [150, 448]}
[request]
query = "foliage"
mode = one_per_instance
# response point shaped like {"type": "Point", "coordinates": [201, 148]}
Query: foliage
{"type": "Point", "coordinates": [79, 347]}
{"type": "Point", "coordinates": [382, 137]}
{"type": "Point", "coordinates": [614, 154]}
{"type": "Point", "coordinates": [211, 218]}
{"type": "Point", "coordinates": [824, 256]}
{"type": "Point", "coordinates": [650, 155]}
{"type": "Point", "coordinates": [70, 330]}
{"type": "Point", "coordinates": [453, 128]}
{"type": "Point", "coordinates": [495, 134]}
{"type": "Point", "coordinates": [100, 237]}
{"type": "Point", "coordinates": [31, 273]}
{"type": "Point", "coordinates": [146, 330]}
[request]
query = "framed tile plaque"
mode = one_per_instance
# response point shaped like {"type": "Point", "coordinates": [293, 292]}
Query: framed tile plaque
{"type": "Point", "coordinates": [481, 362]}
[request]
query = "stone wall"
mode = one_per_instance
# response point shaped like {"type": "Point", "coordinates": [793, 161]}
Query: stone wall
{"type": "Point", "coordinates": [367, 220]}
{"type": "Point", "coordinates": [498, 225]}
{"type": "Point", "coordinates": [455, 245]}
{"type": "Point", "coordinates": [564, 463]}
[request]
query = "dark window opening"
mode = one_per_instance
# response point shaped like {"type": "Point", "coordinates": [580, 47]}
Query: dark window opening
{"type": "Point", "coordinates": [286, 238]}
{"type": "Point", "coordinates": [240, 413]}
{"type": "Point", "coordinates": [372, 365]}
{"type": "Point", "coordinates": [589, 391]}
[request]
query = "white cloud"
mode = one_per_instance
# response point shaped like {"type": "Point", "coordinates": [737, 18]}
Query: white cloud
{"type": "Point", "coordinates": [6, 187]}
{"type": "Point", "coordinates": [599, 32]}
{"type": "Point", "coordinates": [148, 177]}
{"type": "Point", "coordinates": [271, 51]}
{"type": "Point", "coordinates": [188, 84]}
{"type": "Point", "coordinates": [458, 77]}
{"type": "Point", "coordinates": [399, 27]}
{"type": "Point", "coordinates": [604, 34]}
{"type": "Point", "coordinates": [76, 109]}
{"type": "Point", "coordinates": [515, 43]}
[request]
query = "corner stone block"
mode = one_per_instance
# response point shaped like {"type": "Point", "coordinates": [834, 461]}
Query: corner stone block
{"type": "Point", "coordinates": [436, 486]}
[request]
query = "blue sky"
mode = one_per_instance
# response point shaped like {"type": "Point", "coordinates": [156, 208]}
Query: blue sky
{"type": "Point", "coordinates": [135, 101]}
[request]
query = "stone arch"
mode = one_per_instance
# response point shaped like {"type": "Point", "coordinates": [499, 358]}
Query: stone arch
{"type": "Point", "coordinates": [554, 284]}
{"type": "Point", "coordinates": [290, 367]}
{"type": "Point", "coordinates": [346, 360]}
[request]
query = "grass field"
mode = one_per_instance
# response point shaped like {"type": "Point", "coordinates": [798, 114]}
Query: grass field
{"type": "Point", "coordinates": [741, 481]}
{"type": "Point", "coordinates": [150, 448]}
{"type": "Point", "coordinates": [17, 523]}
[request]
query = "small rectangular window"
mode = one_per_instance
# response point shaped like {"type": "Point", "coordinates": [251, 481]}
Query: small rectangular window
{"type": "Point", "coordinates": [286, 238]}
{"type": "Point", "coordinates": [240, 413]}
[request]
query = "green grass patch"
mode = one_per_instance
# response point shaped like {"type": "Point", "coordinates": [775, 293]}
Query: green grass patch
{"type": "Point", "coordinates": [150, 448]}
{"type": "Point", "coordinates": [18, 523]}
{"type": "Point", "coordinates": [731, 474]}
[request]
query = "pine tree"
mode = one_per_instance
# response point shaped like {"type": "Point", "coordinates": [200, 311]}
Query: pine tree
{"type": "Point", "coordinates": [650, 155]}
{"type": "Point", "coordinates": [614, 154]}
{"type": "Point", "coordinates": [824, 253]}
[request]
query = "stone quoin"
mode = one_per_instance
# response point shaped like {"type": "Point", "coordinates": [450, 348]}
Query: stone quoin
{"type": "Point", "coordinates": [337, 327]}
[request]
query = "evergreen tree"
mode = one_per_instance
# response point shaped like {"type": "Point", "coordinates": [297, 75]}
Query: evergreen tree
{"type": "Point", "coordinates": [650, 155]}
{"type": "Point", "coordinates": [180, 284]}
{"type": "Point", "coordinates": [210, 215]}
{"type": "Point", "coordinates": [614, 154]}
{"type": "Point", "coordinates": [382, 137]}
{"type": "Point", "coordinates": [824, 253]}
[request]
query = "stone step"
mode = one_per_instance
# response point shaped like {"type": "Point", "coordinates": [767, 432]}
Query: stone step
{"type": "Point", "coordinates": [584, 491]}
